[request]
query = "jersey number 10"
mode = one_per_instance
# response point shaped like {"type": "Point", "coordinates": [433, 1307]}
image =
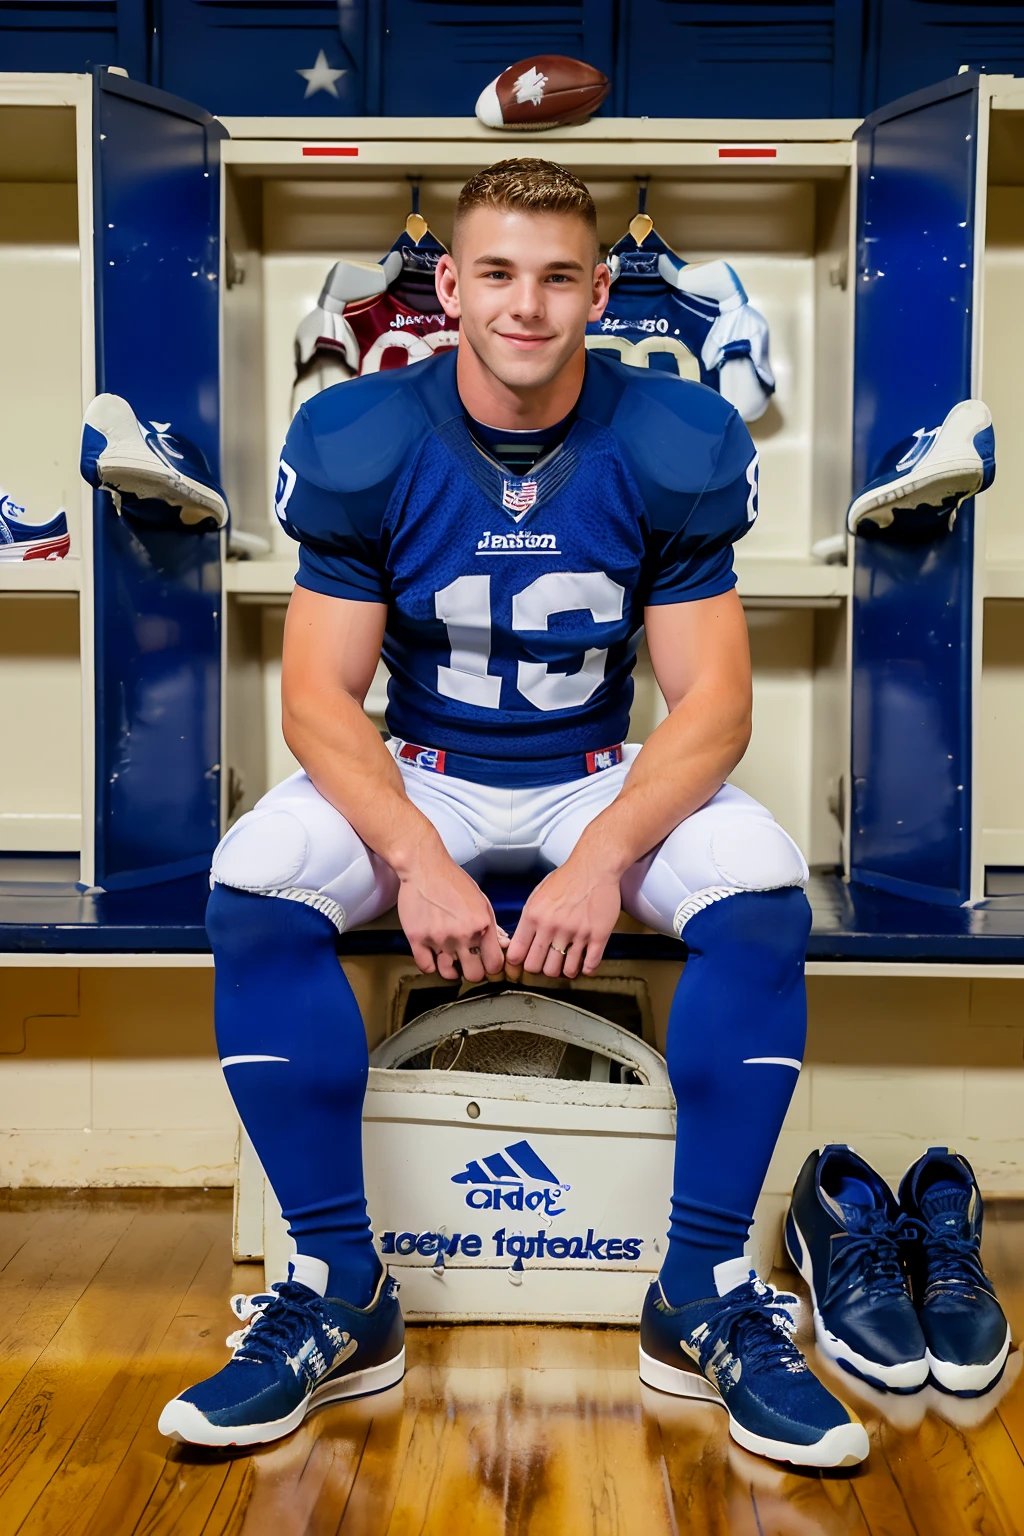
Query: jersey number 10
{"type": "Point", "coordinates": [464, 607]}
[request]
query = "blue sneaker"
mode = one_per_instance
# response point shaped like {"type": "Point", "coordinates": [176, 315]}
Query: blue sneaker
{"type": "Point", "coordinates": [298, 1351]}
{"type": "Point", "coordinates": [845, 1234]}
{"type": "Point", "coordinates": [736, 1348]}
{"type": "Point", "coordinates": [965, 1329]}
{"type": "Point", "coordinates": [933, 471]}
{"type": "Point", "coordinates": [22, 540]}
{"type": "Point", "coordinates": [139, 462]}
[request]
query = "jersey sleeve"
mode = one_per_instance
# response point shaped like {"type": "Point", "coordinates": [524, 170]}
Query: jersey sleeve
{"type": "Point", "coordinates": [339, 532]}
{"type": "Point", "coordinates": [691, 553]}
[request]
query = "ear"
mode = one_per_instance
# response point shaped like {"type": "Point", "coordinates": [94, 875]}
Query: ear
{"type": "Point", "coordinates": [446, 282]}
{"type": "Point", "coordinates": [600, 292]}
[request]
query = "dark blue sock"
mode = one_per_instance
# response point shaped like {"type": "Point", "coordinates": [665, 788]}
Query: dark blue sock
{"type": "Point", "coordinates": [281, 993]}
{"type": "Point", "coordinates": [740, 1000]}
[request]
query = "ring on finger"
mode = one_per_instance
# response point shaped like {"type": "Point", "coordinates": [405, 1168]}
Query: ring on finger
{"type": "Point", "coordinates": [558, 951]}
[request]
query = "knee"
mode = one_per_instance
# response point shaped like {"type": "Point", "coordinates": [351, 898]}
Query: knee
{"type": "Point", "coordinates": [723, 851]}
{"type": "Point", "coordinates": [753, 853]}
{"type": "Point", "coordinates": [240, 924]}
{"type": "Point", "coordinates": [246, 928]}
{"type": "Point", "coordinates": [763, 932]}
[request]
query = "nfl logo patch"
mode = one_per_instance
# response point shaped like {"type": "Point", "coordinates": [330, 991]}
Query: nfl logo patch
{"type": "Point", "coordinates": [519, 498]}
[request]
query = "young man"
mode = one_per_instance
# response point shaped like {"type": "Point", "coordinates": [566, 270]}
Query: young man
{"type": "Point", "coordinates": [502, 523]}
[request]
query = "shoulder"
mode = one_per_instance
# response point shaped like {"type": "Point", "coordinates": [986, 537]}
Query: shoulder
{"type": "Point", "coordinates": [678, 428]}
{"type": "Point", "coordinates": [680, 439]}
{"type": "Point", "coordinates": [358, 434]}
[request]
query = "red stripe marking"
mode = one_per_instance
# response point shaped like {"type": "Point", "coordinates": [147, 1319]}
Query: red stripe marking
{"type": "Point", "coordinates": [58, 547]}
{"type": "Point", "coordinates": [746, 152]}
{"type": "Point", "coordinates": [330, 149]}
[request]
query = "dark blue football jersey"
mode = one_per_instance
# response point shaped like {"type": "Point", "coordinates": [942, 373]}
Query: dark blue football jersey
{"type": "Point", "coordinates": [515, 605]}
{"type": "Point", "coordinates": [692, 321]}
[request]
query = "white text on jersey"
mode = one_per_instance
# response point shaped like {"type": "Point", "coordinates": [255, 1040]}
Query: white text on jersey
{"type": "Point", "coordinates": [518, 544]}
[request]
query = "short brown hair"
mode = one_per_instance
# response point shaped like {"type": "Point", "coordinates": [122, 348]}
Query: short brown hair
{"type": "Point", "coordinates": [529, 186]}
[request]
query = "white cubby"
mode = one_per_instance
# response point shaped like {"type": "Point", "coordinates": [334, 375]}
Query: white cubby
{"type": "Point", "coordinates": [787, 227]}
{"type": "Point", "coordinates": [46, 341]}
{"type": "Point", "coordinates": [41, 701]}
{"type": "Point", "coordinates": [999, 344]}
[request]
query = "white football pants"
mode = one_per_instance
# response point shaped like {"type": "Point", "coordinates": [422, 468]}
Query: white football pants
{"type": "Point", "coordinates": [294, 844]}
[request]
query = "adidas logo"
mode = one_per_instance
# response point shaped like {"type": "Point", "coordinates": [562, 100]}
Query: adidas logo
{"type": "Point", "coordinates": [500, 1181]}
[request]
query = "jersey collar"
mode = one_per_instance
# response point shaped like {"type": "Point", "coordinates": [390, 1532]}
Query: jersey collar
{"type": "Point", "coordinates": [519, 496]}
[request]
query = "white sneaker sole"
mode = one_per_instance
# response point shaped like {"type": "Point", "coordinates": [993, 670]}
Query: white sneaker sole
{"type": "Point", "coordinates": [128, 464]}
{"type": "Point", "coordinates": [843, 1446]}
{"type": "Point", "coordinates": [183, 1421]}
{"type": "Point", "coordinates": [971, 1379]}
{"type": "Point", "coordinates": [951, 467]}
{"type": "Point", "coordinates": [906, 1376]}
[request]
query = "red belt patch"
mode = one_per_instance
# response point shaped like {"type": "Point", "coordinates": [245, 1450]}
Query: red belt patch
{"type": "Point", "coordinates": [424, 757]}
{"type": "Point", "coordinates": [606, 757]}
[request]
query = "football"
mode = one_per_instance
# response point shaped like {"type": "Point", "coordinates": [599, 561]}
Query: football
{"type": "Point", "coordinates": [546, 91]}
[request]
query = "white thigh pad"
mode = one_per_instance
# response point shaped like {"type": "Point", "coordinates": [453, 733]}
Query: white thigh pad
{"type": "Point", "coordinates": [264, 849]}
{"type": "Point", "coordinates": [755, 854]}
{"type": "Point", "coordinates": [294, 844]}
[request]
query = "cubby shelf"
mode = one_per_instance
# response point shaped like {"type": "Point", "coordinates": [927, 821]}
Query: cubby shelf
{"type": "Point", "coordinates": [1004, 578]}
{"type": "Point", "coordinates": [761, 577]}
{"type": "Point", "coordinates": [271, 576]}
{"type": "Point", "coordinates": [40, 576]}
{"type": "Point", "coordinates": [768, 577]}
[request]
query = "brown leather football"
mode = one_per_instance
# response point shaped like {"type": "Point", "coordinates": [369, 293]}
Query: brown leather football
{"type": "Point", "coordinates": [546, 91]}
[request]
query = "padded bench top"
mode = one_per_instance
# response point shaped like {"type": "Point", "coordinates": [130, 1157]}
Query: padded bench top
{"type": "Point", "coordinates": [850, 923]}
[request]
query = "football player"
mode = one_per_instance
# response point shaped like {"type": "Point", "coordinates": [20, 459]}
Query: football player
{"type": "Point", "coordinates": [502, 523]}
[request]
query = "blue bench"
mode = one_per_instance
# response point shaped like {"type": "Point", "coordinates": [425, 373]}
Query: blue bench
{"type": "Point", "coordinates": [850, 923]}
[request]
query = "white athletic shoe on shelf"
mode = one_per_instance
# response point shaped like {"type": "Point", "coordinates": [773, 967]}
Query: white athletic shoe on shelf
{"type": "Point", "coordinates": [932, 471]}
{"type": "Point", "coordinates": [148, 462]}
{"type": "Point", "coordinates": [21, 539]}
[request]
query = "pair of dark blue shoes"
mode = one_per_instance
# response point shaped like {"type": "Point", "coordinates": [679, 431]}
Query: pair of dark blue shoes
{"type": "Point", "coordinates": [897, 1283]}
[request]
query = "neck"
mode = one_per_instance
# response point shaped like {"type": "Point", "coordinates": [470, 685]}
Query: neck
{"type": "Point", "coordinates": [489, 400]}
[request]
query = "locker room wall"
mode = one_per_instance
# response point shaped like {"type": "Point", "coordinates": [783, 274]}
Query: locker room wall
{"type": "Point", "coordinates": [675, 58]}
{"type": "Point", "coordinates": [893, 1065]}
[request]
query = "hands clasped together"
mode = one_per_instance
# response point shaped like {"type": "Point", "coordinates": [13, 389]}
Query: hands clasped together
{"type": "Point", "coordinates": [563, 929]}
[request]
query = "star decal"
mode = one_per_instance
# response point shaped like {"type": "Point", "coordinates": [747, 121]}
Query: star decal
{"type": "Point", "coordinates": [321, 77]}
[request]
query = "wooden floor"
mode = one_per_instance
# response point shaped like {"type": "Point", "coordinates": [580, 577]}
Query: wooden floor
{"type": "Point", "coordinates": [110, 1305]}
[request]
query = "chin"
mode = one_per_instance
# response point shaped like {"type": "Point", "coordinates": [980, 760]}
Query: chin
{"type": "Point", "coordinates": [526, 372]}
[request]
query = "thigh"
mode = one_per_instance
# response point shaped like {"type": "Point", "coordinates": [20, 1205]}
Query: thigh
{"type": "Point", "coordinates": [731, 844]}
{"type": "Point", "coordinates": [294, 843]}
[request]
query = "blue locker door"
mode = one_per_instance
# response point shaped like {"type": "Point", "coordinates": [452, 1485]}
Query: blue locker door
{"type": "Point", "coordinates": [157, 593]}
{"type": "Point", "coordinates": [746, 58]}
{"type": "Point", "coordinates": [912, 601]}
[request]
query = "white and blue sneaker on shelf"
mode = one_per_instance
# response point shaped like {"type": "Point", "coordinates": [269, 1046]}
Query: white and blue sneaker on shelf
{"type": "Point", "coordinates": [297, 1350]}
{"type": "Point", "coordinates": [847, 1237]}
{"type": "Point", "coordinates": [737, 1349]}
{"type": "Point", "coordinates": [21, 539]}
{"type": "Point", "coordinates": [964, 1326]}
{"type": "Point", "coordinates": [932, 472]}
{"type": "Point", "coordinates": [145, 462]}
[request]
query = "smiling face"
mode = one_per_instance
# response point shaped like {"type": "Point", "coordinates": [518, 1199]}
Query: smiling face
{"type": "Point", "coordinates": [523, 285]}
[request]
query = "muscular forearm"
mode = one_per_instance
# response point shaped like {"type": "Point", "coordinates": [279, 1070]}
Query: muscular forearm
{"type": "Point", "coordinates": [341, 750]}
{"type": "Point", "coordinates": [681, 765]}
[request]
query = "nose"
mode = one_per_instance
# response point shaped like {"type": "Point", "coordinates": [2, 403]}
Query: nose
{"type": "Point", "coordinates": [526, 299]}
